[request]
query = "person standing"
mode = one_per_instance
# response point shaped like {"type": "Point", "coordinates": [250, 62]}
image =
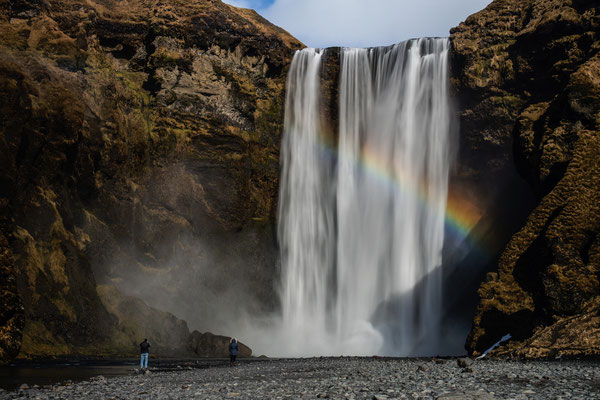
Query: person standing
{"type": "Point", "coordinates": [144, 351]}
{"type": "Point", "coordinates": [233, 351]}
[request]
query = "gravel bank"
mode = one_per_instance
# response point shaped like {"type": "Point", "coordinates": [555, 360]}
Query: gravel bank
{"type": "Point", "coordinates": [351, 378]}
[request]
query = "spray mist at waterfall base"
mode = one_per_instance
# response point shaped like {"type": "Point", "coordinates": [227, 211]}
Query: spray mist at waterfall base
{"type": "Point", "coordinates": [269, 336]}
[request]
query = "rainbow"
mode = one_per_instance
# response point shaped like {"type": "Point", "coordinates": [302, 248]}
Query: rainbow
{"type": "Point", "coordinates": [461, 214]}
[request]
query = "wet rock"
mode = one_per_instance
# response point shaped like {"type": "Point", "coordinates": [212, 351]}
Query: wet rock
{"type": "Point", "coordinates": [209, 345]}
{"type": "Point", "coordinates": [98, 379]}
{"type": "Point", "coordinates": [464, 362]}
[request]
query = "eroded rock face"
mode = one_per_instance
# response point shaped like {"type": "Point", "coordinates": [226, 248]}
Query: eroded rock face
{"type": "Point", "coordinates": [167, 334]}
{"type": "Point", "coordinates": [527, 73]}
{"type": "Point", "coordinates": [137, 137]}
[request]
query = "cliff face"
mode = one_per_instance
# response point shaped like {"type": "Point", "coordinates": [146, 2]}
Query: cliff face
{"type": "Point", "coordinates": [140, 136]}
{"type": "Point", "coordinates": [527, 76]}
{"type": "Point", "coordinates": [12, 318]}
{"type": "Point", "coordinates": [136, 137]}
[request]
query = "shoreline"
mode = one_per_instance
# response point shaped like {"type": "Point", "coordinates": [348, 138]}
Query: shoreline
{"type": "Point", "coordinates": [343, 377]}
{"type": "Point", "coordinates": [109, 360]}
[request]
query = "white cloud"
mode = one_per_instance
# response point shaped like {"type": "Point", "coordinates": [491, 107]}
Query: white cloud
{"type": "Point", "coordinates": [240, 3]}
{"type": "Point", "coordinates": [362, 23]}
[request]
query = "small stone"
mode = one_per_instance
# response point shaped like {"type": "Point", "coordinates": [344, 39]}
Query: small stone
{"type": "Point", "coordinates": [464, 362]}
{"type": "Point", "coordinates": [24, 387]}
{"type": "Point", "coordinates": [99, 379]}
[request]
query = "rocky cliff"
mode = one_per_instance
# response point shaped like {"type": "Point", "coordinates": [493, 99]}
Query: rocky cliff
{"type": "Point", "coordinates": [137, 137]}
{"type": "Point", "coordinates": [138, 176]}
{"type": "Point", "coordinates": [527, 78]}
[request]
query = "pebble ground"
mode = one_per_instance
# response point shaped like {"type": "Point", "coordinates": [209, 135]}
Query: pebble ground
{"type": "Point", "coordinates": [344, 378]}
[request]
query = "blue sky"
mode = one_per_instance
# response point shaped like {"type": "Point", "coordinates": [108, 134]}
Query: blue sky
{"type": "Point", "coordinates": [363, 23]}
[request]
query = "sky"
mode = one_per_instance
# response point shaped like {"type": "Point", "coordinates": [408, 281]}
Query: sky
{"type": "Point", "coordinates": [363, 23]}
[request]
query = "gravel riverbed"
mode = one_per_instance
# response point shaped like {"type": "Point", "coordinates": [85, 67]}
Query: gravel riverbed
{"type": "Point", "coordinates": [344, 378]}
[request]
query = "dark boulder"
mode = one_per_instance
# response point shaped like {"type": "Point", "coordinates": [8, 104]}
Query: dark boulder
{"type": "Point", "coordinates": [214, 346]}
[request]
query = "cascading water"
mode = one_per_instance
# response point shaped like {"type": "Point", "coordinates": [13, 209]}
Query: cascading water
{"type": "Point", "coordinates": [306, 225]}
{"type": "Point", "coordinates": [361, 234]}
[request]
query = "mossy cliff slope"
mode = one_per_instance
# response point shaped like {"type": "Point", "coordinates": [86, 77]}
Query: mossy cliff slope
{"type": "Point", "coordinates": [527, 75]}
{"type": "Point", "coordinates": [136, 137]}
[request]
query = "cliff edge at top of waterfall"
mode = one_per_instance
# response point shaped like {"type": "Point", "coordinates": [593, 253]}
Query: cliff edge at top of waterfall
{"type": "Point", "coordinates": [527, 78]}
{"type": "Point", "coordinates": [136, 137]}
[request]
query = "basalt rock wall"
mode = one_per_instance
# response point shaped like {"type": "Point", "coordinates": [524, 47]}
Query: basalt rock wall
{"type": "Point", "coordinates": [137, 137]}
{"type": "Point", "coordinates": [527, 78]}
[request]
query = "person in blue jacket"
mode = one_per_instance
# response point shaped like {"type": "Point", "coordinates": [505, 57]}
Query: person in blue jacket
{"type": "Point", "coordinates": [233, 351]}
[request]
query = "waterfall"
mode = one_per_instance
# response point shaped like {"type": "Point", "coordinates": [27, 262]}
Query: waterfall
{"type": "Point", "coordinates": [361, 227]}
{"type": "Point", "coordinates": [306, 223]}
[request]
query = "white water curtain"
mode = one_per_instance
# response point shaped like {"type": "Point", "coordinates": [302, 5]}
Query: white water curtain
{"type": "Point", "coordinates": [361, 228]}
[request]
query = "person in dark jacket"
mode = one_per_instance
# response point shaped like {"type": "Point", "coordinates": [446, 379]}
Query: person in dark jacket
{"type": "Point", "coordinates": [233, 351]}
{"type": "Point", "coordinates": [144, 351]}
